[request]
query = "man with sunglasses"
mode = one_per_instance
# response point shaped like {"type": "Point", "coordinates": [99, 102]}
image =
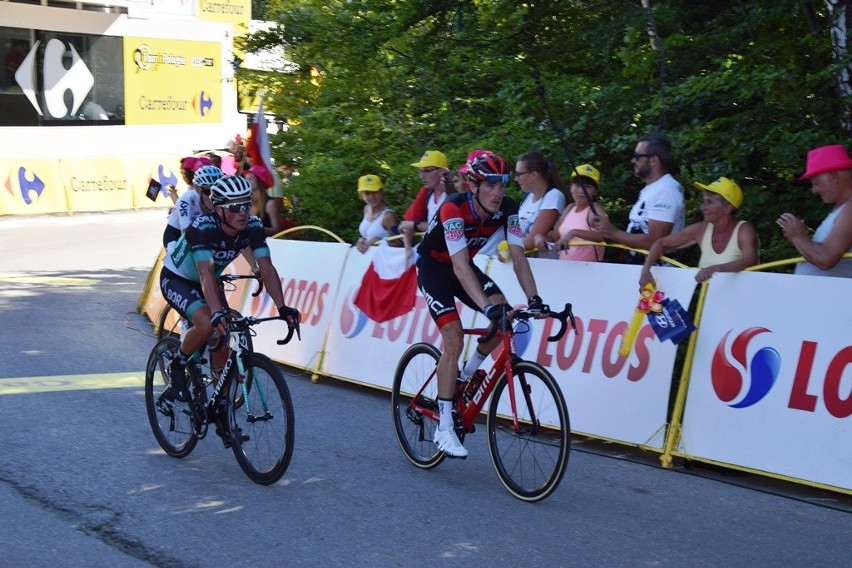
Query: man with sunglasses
{"type": "Point", "coordinates": [188, 277]}
{"type": "Point", "coordinates": [432, 168]}
{"type": "Point", "coordinates": [659, 211]}
{"type": "Point", "coordinates": [445, 271]}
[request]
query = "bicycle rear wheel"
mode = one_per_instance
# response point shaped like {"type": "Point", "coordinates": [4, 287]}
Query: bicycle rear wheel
{"type": "Point", "coordinates": [261, 420]}
{"type": "Point", "coordinates": [530, 460]}
{"type": "Point", "coordinates": [414, 431]}
{"type": "Point", "coordinates": [171, 424]}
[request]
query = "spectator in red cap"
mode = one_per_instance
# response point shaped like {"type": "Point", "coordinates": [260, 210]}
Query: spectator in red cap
{"type": "Point", "coordinates": [830, 170]}
{"type": "Point", "coordinates": [269, 209]}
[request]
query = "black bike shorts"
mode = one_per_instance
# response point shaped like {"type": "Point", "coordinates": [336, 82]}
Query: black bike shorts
{"type": "Point", "coordinates": [440, 287]}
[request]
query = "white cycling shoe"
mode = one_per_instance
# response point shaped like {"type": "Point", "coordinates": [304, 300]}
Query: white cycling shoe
{"type": "Point", "coordinates": [449, 443]}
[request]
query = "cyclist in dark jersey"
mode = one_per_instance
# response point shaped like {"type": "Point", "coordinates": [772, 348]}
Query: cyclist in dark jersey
{"type": "Point", "coordinates": [209, 245]}
{"type": "Point", "coordinates": [445, 271]}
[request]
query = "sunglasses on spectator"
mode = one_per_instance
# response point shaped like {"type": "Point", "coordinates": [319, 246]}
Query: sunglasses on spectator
{"type": "Point", "coordinates": [640, 156]}
{"type": "Point", "coordinates": [238, 207]}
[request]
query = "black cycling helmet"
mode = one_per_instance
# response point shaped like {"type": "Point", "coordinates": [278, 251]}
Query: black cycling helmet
{"type": "Point", "coordinates": [230, 188]}
{"type": "Point", "coordinates": [489, 167]}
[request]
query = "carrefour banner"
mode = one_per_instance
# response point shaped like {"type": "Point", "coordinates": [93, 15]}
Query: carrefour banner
{"type": "Point", "coordinates": [172, 81]}
{"type": "Point", "coordinates": [162, 168]}
{"type": "Point", "coordinates": [96, 184]}
{"type": "Point", "coordinates": [771, 383]}
{"type": "Point", "coordinates": [236, 12]}
{"type": "Point", "coordinates": [31, 186]}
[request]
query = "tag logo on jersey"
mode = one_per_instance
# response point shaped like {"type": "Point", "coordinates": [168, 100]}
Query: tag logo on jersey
{"type": "Point", "coordinates": [454, 229]}
{"type": "Point", "coordinates": [514, 227]}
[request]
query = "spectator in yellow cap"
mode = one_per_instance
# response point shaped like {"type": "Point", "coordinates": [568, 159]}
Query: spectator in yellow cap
{"type": "Point", "coordinates": [379, 220]}
{"type": "Point", "coordinates": [830, 170]}
{"type": "Point", "coordinates": [432, 167]}
{"type": "Point", "coordinates": [727, 243]}
{"type": "Point", "coordinates": [574, 224]}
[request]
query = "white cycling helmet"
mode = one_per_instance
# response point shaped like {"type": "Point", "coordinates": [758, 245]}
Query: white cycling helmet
{"type": "Point", "coordinates": [230, 188]}
{"type": "Point", "coordinates": [206, 176]}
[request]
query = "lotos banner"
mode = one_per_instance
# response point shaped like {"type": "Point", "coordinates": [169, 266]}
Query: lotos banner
{"type": "Point", "coordinates": [771, 381]}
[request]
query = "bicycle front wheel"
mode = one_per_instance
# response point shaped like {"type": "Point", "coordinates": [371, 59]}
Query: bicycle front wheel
{"type": "Point", "coordinates": [417, 369]}
{"type": "Point", "coordinates": [530, 457]}
{"type": "Point", "coordinates": [171, 423]}
{"type": "Point", "coordinates": [261, 420]}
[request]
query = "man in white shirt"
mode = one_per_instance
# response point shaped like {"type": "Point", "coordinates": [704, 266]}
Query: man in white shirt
{"type": "Point", "coordinates": [659, 210]}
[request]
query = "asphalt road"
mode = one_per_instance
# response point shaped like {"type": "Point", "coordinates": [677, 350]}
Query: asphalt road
{"type": "Point", "coordinates": [83, 482]}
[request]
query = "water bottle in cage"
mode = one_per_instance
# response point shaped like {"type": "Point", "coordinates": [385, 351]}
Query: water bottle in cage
{"type": "Point", "coordinates": [473, 384]}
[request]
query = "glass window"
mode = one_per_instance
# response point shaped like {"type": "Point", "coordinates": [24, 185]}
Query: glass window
{"type": "Point", "coordinates": [61, 79]}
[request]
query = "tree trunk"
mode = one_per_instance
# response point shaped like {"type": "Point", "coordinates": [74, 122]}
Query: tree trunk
{"type": "Point", "coordinates": [839, 13]}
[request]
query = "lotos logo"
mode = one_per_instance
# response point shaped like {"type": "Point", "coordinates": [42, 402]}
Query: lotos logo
{"type": "Point", "coordinates": [202, 103]}
{"type": "Point", "coordinates": [727, 379]}
{"type": "Point", "coordinates": [59, 77]}
{"type": "Point", "coordinates": [352, 320]}
{"type": "Point", "coordinates": [25, 185]}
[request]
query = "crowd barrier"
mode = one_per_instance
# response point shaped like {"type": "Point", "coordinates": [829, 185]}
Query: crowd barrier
{"type": "Point", "coordinates": [766, 385]}
{"type": "Point", "coordinates": [38, 185]}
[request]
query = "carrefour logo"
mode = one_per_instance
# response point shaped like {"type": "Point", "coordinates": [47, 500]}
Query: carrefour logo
{"type": "Point", "coordinates": [28, 183]}
{"type": "Point", "coordinates": [58, 79]}
{"type": "Point", "coordinates": [727, 378]}
{"type": "Point", "coordinates": [202, 103]}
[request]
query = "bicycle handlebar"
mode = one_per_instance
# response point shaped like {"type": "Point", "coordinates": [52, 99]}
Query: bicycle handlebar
{"type": "Point", "coordinates": [231, 277]}
{"type": "Point", "coordinates": [243, 323]}
{"type": "Point", "coordinates": [524, 314]}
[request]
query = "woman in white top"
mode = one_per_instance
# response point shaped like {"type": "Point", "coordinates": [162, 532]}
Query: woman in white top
{"type": "Point", "coordinates": [379, 220]}
{"type": "Point", "coordinates": [545, 199]}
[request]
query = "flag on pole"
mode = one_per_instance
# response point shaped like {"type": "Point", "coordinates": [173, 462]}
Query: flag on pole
{"type": "Point", "coordinates": [257, 148]}
{"type": "Point", "coordinates": [389, 286]}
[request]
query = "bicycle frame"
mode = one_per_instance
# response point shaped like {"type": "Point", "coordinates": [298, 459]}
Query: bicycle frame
{"type": "Point", "coordinates": [468, 411]}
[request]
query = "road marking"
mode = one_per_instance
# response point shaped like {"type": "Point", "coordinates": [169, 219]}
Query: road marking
{"type": "Point", "coordinates": [27, 385]}
{"type": "Point", "coordinates": [47, 280]}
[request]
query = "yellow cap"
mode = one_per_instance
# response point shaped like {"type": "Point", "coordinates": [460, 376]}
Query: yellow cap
{"type": "Point", "coordinates": [587, 170]}
{"type": "Point", "coordinates": [432, 159]}
{"type": "Point", "coordinates": [725, 187]}
{"type": "Point", "coordinates": [369, 183]}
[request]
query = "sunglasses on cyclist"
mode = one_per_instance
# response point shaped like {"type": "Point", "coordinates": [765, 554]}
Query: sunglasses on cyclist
{"type": "Point", "coordinates": [497, 178]}
{"type": "Point", "coordinates": [238, 207]}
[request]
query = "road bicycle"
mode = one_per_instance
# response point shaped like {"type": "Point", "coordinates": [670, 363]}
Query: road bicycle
{"type": "Point", "coordinates": [527, 420]}
{"type": "Point", "coordinates": [169, 322]}
{"type": "Point", "coordinates": [248, 403]}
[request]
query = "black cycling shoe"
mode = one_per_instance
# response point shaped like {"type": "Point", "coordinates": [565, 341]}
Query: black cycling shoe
{"type": "Point", "coordinates": [177, 390]}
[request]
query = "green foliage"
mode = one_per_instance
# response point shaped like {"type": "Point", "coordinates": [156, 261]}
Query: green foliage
{"type": "Point", "coordinates": [743, 89]}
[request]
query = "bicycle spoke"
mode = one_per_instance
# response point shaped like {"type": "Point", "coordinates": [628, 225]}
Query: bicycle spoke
{"type": "Point", "coordinates": [415, 390]}
{"type": "Point", "coordinates": [261, 424]}
{"type": "Point", "coordinates": [170, 423]}
{"type": "Point", "coordinates": [530, 453]}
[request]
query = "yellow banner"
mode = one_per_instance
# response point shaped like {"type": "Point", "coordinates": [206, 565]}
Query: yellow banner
{"type": "Point", "coordinates": [96, 184]}
{"type": "Point", "coordinates": [237, 12]}
{"type": "Point", "coordinates": [172, 81]}
{"type": "Point", "coordinates": [31, 186]}
{"type": "Point", "coordinates": [162, 168]}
